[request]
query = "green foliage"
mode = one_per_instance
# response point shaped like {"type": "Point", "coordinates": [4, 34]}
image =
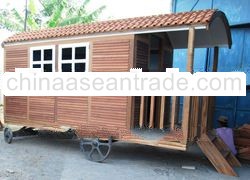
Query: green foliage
{"type": "Point", "coordinates": [54, 13]}
{"type": "Point", "coordinates": [11, 20]}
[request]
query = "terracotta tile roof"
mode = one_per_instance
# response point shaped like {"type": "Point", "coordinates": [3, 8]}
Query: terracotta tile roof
{"type": "Point", "coordinates": [131, 24]}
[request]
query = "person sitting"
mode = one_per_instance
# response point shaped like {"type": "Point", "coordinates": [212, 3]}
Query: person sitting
{"type": "Point", "coordinates": [226, 134]}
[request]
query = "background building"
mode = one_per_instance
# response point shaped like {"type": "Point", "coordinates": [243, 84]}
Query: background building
{"type": "Point", "coordinates": [237, 109]}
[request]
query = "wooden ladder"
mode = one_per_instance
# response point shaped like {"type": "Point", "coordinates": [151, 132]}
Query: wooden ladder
{"type": "Point", "coordinates": [218, 154]}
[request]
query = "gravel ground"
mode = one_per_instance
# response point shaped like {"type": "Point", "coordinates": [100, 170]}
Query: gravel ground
{"type": "Point", "coordinates": [45, 158]}
{"type": "Point", "coordinates": [49, 158]}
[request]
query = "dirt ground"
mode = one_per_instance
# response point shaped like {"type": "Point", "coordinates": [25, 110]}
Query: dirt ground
{"type": "Point", "coordinates": [45, 158]}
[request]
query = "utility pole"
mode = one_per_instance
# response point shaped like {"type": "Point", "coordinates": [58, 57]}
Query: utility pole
{"type": "Point", "coordinates": [26, 15]}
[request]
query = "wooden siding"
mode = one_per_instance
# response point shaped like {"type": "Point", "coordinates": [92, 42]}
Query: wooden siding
{"type": "Point", "coordinates": [41, 109]}
{"type": "Point", "coordinates": [16, 58]}
{"type": "Point", "coordinates": [15, 108]}
{"type": "Point", "coordinates": [72, 110]}
{"type": "Point", "coordinates": [109, 112]}
{"type": "Point", "coordinates": [142, 57]}
{"type": "Point", "coordinates": [110, 56]}
{"type": "Point", "coordinates": [84, 113]}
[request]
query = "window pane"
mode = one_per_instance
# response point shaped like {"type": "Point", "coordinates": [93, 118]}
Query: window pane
{"type": "Point", "coordinates": [66, 53]}
{"type": "Point", "coordinates": [80, 67]}
{"type": "Point", "coordinates": [47, 54]}
{"type": "Point", "coordinates": [67, 67]}
{"type": "Point", "coordinates": [47, 68]}
{"type": "Point", "coordinates": [80, 53]}
{"type": "Point", "coordinates": [37, 55]}
{"type": "Point", "coordinates": [36, 65]}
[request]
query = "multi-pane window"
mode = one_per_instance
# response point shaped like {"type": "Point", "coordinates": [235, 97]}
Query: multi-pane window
{"type": "Point", "coordinates": [43, 58]}
{"type": "Point", "coordinates": [74, 57]}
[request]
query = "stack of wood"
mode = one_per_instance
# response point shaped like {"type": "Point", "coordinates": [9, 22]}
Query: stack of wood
{"type": "Point", "coordinates": [242, 141]}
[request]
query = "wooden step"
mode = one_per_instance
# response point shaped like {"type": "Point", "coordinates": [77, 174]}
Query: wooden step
{"type": "Point", "coordinates": [221, 158]}
{"type": "Point", "coordinates": [212, 137]}
{"type": "Point", "coordinates": [224, 149]}
{"type": "Point", "coordinates": [220, 144]}
{"type": "Point", "coordinates": [225, 153]}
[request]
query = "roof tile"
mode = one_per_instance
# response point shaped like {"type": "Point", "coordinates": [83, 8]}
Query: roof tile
{"type": "Point", "coordinates": [138, 23]}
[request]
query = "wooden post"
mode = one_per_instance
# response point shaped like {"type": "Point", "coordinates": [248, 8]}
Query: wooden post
{"type": "Point", "coordinates": [174, 111]}
{"type": "Point", "coordinates": [186, 117]}
{"type": "Point", "coordinates": [195, 118]}
{"type": "Point", "coordinates": [152, 109]}
{"type": "Point", "coordinates": [190, 58]}
{"type": "Point", "coordinates": [142, 111]}
{"type": "Point", "coordinates": [187, 99]}
{"type": "Point", "coordinates": [204, 114]}
{"type": "Point", "coordinates": [163, 98]}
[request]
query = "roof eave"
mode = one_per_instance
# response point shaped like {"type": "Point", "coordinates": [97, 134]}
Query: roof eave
{"type": "Point", "coordinates": [222, 16]}
{"type": "Point", "coordinates": [109, 34]}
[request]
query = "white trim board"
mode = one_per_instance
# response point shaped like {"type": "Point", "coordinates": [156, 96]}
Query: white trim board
{"type": "Point", "coordinates": [42, 62]}
{"type": "Point", "coordinates": [107, 34]}
{"type": "Point", "coordinates": [73, 60]}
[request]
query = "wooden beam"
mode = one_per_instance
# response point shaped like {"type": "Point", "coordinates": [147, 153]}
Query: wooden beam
{"type": "Point", "coordinates": [204, 114]}
{"type": "Point", "coordinates": [152, 109]}
{"type": "Point", "coordinates": [174, 111]}
{"type": "Point", "coordinates": [131, 107]}
{"type": "Point", "coordinates": [186, 117]}
{"type": "Point", "coordinates": [190, 55]}
{"type": "Point", "coordinates": [129, 111]}
{"type": "Point", "coordinates": [187, 100]}
{"type": "Point", "coordinates": [142, 111]}
{"type": "Point", "coordinates": [191, 121]}
{"type": "Point", "coordinates": [162, 112]}
{"type": "Point", "coordinates": [195, 117]}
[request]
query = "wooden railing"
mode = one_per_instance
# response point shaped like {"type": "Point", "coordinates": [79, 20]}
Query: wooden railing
{"type": "Point", "coordinates": [150, 117]}
{"type": "Point", "coordinates": [161, 120]}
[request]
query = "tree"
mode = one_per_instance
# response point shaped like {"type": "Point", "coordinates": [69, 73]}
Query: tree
{"type": "Point", "coordinates": [53, 13]}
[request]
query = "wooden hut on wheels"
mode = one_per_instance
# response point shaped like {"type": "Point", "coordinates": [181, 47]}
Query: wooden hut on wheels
{"type": "Point", "coordinates": [116, 46]}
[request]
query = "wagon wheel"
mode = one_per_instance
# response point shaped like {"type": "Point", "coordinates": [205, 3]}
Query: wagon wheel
{"type": "Point", "coordinates": [8, 135]}
{"type": "Point", "coordinates": [95, 149]}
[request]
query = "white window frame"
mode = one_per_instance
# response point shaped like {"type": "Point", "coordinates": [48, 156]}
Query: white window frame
{"type": "Point", "coordinates": [73, 61]}
{"type": "Point", "coordinates": [42, 62]}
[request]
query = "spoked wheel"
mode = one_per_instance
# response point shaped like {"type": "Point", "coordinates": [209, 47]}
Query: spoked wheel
{"type": "Point", "coordinates": [8, 135]}
{"type": "Point", "coordinates": [95, 149]}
